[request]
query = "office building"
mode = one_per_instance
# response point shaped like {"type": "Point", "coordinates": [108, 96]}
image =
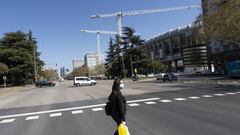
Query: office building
{"type": "Point", "coordinates": [62, 72]}
{"type": "Point", "coordinates": [77, 63]}
{"type": "Point", "coordinates": [91, 60]}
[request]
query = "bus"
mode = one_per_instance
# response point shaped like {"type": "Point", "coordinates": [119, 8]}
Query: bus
{"type": "Point", "coordinates": [233, 69]}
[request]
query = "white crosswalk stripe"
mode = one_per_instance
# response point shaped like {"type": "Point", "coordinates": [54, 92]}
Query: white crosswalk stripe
{"type": "Point", "coordinates": [32, 117]}
{"type": "Point", "coordinates": [230, 93]}
{"type": "Point", "coordinates": [207, 96]}
{"type": "Point", "coordinates": [77, 111]}
{"type": "Point", "coordinates": [219, 94]}
{"type": "Point", "coordinates": [194, 97]}
{"type": "Point", "coordinates": [134, 104]}
{"type": "Point", "coordinates": [165, 101]}
{"type": "Point", "coordinates": [180, 99]}
{"type": "Point", "coordinates": [55, 114]}
{"type": "Point", "coordinates": [7, 121]}
{"type": "Point", "coordinates": [97, 109]}
{"type": "Point", "coordinates": [150, 102]}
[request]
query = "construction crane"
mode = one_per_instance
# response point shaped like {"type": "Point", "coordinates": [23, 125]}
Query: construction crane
{"type": "Point", "coordinates": [119, 15]}
{"type": "Point", "coordinates": [98, 32]}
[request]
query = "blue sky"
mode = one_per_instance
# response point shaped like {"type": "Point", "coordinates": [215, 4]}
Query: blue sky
{"type": "Point", "coordinates": [57, 23]}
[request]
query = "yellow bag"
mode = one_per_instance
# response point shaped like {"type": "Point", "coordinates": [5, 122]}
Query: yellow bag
{"type": "Point", "coordinates": [123, 129]}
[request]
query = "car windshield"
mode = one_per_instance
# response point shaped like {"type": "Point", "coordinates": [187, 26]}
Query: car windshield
{"type": "Point", "coordinates": [104, 67]}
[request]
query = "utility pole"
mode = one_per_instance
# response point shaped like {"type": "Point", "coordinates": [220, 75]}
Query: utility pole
{"type": "Point", "coordinates": [34, 56]}
{"type": "Point", "coordinates": [153, 63]}
{"type": "Point", "coordinates": [34, 61]}
{"type": "Point", "coordinates": [123, 65]}
{"type": "Point", "coordinates": [131, 65]}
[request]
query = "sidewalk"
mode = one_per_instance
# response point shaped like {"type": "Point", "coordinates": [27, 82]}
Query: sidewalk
{"type": "Point", "coordinates": [16, 89]}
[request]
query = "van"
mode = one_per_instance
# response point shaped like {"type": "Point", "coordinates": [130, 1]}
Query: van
{"type": "Point", "coordinates": [79, 81]}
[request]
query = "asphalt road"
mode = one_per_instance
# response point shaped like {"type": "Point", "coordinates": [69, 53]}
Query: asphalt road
{"type": "Point", "coordinates": [154, 108]}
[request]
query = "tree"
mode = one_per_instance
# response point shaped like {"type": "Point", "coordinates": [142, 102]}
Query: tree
{"type": "Point", "coordinates": [100, 69]}
{"type": "Point", "coordinates": [223, 22]}
{"type": "Point", "coordinates": [16, 51]}
{"type": "Point", "coordinates": [80, 71]}
{"type": "Point", "coordinates": [3, 69]}
{"type": "Point", "coordinates": [49, 74]}
{"type": "Point", "coordinates": [134, 56]}
{"type": "Point", "coordinates": [159, 66]}
{"type": "Point", "coordinates": [113, 63]}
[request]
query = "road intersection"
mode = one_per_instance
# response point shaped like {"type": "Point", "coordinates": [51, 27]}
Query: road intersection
{"type": "Point", "coordinates": [153, 110]}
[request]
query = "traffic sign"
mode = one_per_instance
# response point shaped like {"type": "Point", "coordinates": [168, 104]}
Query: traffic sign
{"type": "Point", "coordinates": [4, 78]}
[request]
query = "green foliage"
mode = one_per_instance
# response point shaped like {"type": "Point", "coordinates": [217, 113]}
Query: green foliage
{"type": "Point", "coordinates": [134, 55]}
{"type": "Point", "coordinates": [3, 69]}
{"type": "Point", "coordinates": [100, 69]}
{"type": "Point", "coordinates": [223, 22]}
{"type": "Point", "coordinates": [159, 66]}
{"type": "Point", "coordinates": [16, 51]}
{"type": "Point", "coordinates": [81, 71]}
{"type": "Point", "coordinates": [49, 74]}
{"type": "Point", "coordinates": [113, 65]}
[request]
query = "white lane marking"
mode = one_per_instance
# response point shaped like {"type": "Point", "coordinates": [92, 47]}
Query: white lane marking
{"type": "Point", "coordinates": [55, 114]}
{"type": "Point", "coordinates": [150, 102]}
{"type": "Point", "coordinates": [238, 92]}
{"type": "Point", "coordinates": [180, 99]}
{"type": "Point", "coordinates": [134, 104]}
{"type": "Point", "coordinates": [32, 117]}
{"type": "Point", "coordinates": [194, 97]}
{"type": "Point", "coordinates": [207, 96]}
{"type": "Point", "coordinates": [165, 101]}
{"type": "Point", "coordinates": [7, 121]}
{"type": "Point", "coordinates": [77, 112]}
{"type": "Point", "coordinates": [97, 109]}
{"type": "Point", "coordinates": [229, 93]}
{"type": "Point", "coordinates": [143, 100]}
{"type": "Point", "coordinates": [219, 94]}
{"type": "Point", "coordinates": [69, 109]}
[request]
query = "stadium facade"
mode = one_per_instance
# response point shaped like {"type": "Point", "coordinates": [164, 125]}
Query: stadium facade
{"type": "Point", "coordinates": [179, 50]}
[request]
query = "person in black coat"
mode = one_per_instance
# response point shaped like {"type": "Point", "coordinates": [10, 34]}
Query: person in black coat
{"type": "Point", "coordinates": [118, 103]}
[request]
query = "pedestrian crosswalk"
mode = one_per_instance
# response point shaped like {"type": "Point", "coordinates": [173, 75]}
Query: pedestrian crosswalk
{"type": "Point", "coordinates": [100, 107]}
{"type": "Point", "coordinates": [32, 117]}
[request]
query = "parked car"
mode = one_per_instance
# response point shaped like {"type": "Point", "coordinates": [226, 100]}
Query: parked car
{"type": "Point", "coordinates": [44, 83]}
{"type": "Point", "coordinates": [135, 77]}
{"type": "Point", "coordinates": [169, 77]}
{"type": "Point", "coordinates": [78, 81]}
{"type": "Point", "coordinates": [159, 76]}
{"type": "Point", "coordinates": [61, 80]}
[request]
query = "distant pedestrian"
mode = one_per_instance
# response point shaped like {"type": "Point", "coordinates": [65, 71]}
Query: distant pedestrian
{"type": "Point", "coordinates": [118, 103]}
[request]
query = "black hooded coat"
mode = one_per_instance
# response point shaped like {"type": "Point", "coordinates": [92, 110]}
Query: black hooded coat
{"type": "Point", "coordinates": [118, 102]}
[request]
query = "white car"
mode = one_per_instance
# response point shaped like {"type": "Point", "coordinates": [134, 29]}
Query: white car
{"type": "Point", "coordinates": [159, 76]}
{"type": "Point", "coordinates": [82, 80]}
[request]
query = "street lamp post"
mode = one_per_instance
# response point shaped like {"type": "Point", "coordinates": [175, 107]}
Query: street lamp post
{"type": "Point", "coordinates": [153, 64]}
{"type": "Point", "coordinates": [131, 65]}
{"type": "Point", "coordinates": [123, 65]}
{"type": "Point", "coordinates": [34, 62]}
